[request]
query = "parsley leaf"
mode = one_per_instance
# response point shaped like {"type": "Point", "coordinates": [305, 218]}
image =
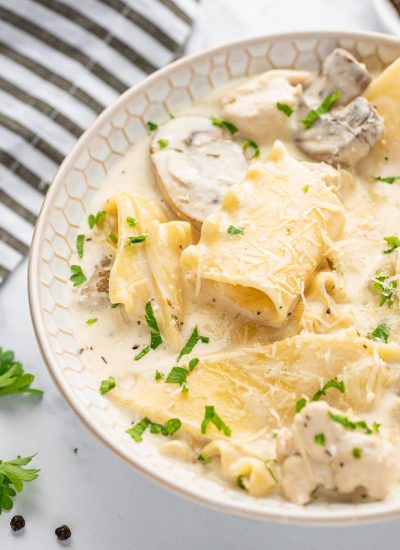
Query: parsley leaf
{"type": "Point", "coordinates": [348, 424]}
{"type": "Point", "coordinates": [131, 221]}
{"type": "Point", "coordinates": [254, 148]}
{"type": "Point", "coordinates": [388, 179]}
{"type": "Point", "coordinates": [107, 385]}
{"type": "Point", "coordinates": [320, 439]}
{"type": "Point", "coordinates": [222, 123]}
{"type": "Point", "coordinates": [306, 188]}
{"type": "Point", "coordinates": [170, 427]}
{"type": "Point", "coordinates": [326, 104]}
{"type": "Point", "coordinates": [234, 230]}
{"type": "Point", "coordinates": [113, 238]}
{"type": "Point", "coordinates": [156, 339]}
{"type": "Point", "coordinates": [141, 353]}
{"type": "Point", "coordinates": [135, 240]}
{"type": "Point", "coordinates": [162, 143]}
{"type": "Point", "coordinates": [178, 375]}
{"type": "Point", "coordinates": [92, 321]}
{"type": "Point", "coordinates": [300, 404]}
{"type": "Point", "coordinates": [13, 378]}
{"type": "Point", "coordinates": [393, 242]}
{"type": "Point", "coordinates": [331, 384]}
{"type": "Point", "coordinates": [380, 333]}
{"type": "Point", "coordinates": [13, 474]}
{"type": "Point", "coordinates": [285, 108]}
{"type": "Point", "coordinates": [80, 239]}
{"type": "Point", "coordinates": [240, 483]}
{"type": "Point", "coordinates": [138, 429]}
{"type": "Point", "coordinates": [193, 339]}
{"type": "Point", "coordinates": [211, 416]}
{"type": "Point", "coordinates": [203, 458]}
{"type": "Point", "coordinates": [151, 126]}
{"type": "Point", "coordinates": [158, 375]}
{"type": "Point", "coordinates": [385, 287]}
{"type": "Point", "coordinates": [96, 219]}
{"type": "Point", "coordinates": [78, 277]}
{"type": "Point", "coordinates": [357, 452]}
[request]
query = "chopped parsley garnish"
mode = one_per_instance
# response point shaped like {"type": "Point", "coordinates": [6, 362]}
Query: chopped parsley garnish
{"type": "Point", "coordinates": [300, 404]}
{"type": "Point", "coordinates": [96, 219]}
{"type": "Point", "coordinates": [178, 375]}
{"type": "Point", "coordinates": [107, 385]}
{"type": "Point", "coordinates": [327, 103]}
{"type": "Point", "coordinates": [80, 239]}
{"type": "Point", "coordinates": [203, 458]}
{"type": "Point", "coordinates": [151, 126]}
{"type": "Point", "coordinates": [13, 475]}
{"type": "Point", "coordinates": [211, 416]}
{"type": "Point", "coordinates": [267, 463]}
{"type": "Point", "coordinates": [234, 230]}
{"type": "Point", "coordinates": [78, 277]}
{"type": "Point", "coordinates": [162, 143]}
{"type": "Point", "coordinates": [168, 428]}
{"type": "Point", "coordinates": [13, 378]}
{"type": "Point", "coordinates": [387, 179]}
{"type": "Point", "coordinates": [331, 384]}
{"type": "Point", "coordinates": [320, 439]}
{"type": "Point", "coordinates": [393, 242]}
{"type": "Point", "coordinates": [113, 238]}
{"type": "Point", "coordinates": [349, 424]}
{"type": "Point", "coordinates": [131, 221]}
{"type": "Point", "coordinates": [142, 353]}
{"type": "Point", "coordinates": [239, 482]}
{"type": "Point", "coordinates": [113, 306]}
{"type": "Point", "coordinates": [158, 375]}
{"type": "Point", "coordinates": [306, 188]}
{"type": "Point", "coordinates": [222, 123]}
{"type": "Point", "coordinates": [136, 239]}
{"type": "Point", "coordinates": [381, 333]}
{"type": "Point", "coordinates": [375, 427]}
{"type": "Point", "coordinates": [92, 321]}
{"type": "Point", "coordinates": [357, 452]}
{"type": "Point", "coordinates": [385, 287]}
{"type": "Point", "coordinates": [193, 339]}
{"type": "Point", "coordinates": [254, 148]}
{"type": "Point", "coordinates": [285, 108]}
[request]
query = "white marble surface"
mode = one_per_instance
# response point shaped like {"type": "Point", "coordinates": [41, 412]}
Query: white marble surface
{"type": "Point", "coordinates": [107, 503]}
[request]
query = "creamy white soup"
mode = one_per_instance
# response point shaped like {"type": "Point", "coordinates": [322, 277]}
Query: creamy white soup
{"type": "Point", "coordinates": [236, 284]}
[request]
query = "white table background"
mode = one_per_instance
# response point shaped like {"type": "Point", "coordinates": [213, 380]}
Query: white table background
{"type": "Point", "coordinates": [107, 504]}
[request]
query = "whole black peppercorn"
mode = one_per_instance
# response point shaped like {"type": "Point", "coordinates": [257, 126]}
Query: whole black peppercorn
{"type": "Point", "coordinates": [63, 532]}
{"type": "Point", "coordinates": [17, 523]}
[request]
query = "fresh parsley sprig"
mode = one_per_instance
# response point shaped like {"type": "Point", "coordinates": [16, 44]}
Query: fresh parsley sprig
{"type": "Point", "coordinates": [388, 179]}
{"type": "Point", "coordinates": [393, 242]}
{"type": "Point", "coordinates": [178, 375]}
{"type": "Point", "coordinates": [350, 425]}
{"type": "Point", "coordinates": [338, 385]}
{"type": "Point", "coordinates": [325, 106]}
{"type": "Point", "coordinates": [107, 385]}
{"type": "Point", "coordinates": [170, 427]}
{"type": "Point", "coordinates": [78, 277]}
{"type": "Point", "coordinates": [96, 219]}
{"type": "Point", "coordinates": [222, 123]}
{"type": "Point", "coordinates": [192, 341]}
{"type": "Point", "coordinates": [13, 475]}
{"type": "Point", "coordinates": [155, 335]}
{"type": "Point", "coordinates": [210, 415]}
{"type": "Point", "coordinates": [387, 288]}
{"type": "Point", "coordinates": [285, 108]}
{"type": "Point", "coordinates": [380, 333]}
{"type": "Point", "coordinates": [13, 378]}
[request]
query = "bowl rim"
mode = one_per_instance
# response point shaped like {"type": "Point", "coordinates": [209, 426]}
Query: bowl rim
{"type": "Point", "coordinates": [303, 515]}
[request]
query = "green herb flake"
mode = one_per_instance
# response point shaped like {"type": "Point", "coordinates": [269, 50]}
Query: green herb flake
{"type": "Point", "coordinates": [387, 288]}
{"type": "Point", "coordinates": [155, 336]}
{"type": "Point", "coordinates": [375, 427]}
{"type": "Point", "coordinates": [320, 439]}
{"type": "Point", "coordinates": [107, 385]}
{"type": "Point", "coordinates": [138, 429]}
{"type": "Point", "coordinates": [113, 238]}
{"type": "Point", "coordinates": [325, 106]}
{"type": "Point", "coordinates": [253, 148]}
{"type": "Point", "coordinates": [300, 404]}
{"type": "Point", "coordinates": [388, 179]}
{"type": "Point", "coordinates": [78, 277]}
{"type": "Point", "coordinates": [202, 458]}
{"type": "Point", "coordinates": [13, 378]}
{"type": "Point", "coordinates": [393, 242]}
{"type": "Point", "coordinates": [380, 333]}
{"type": "Point", "coordinates": [192, 341]}
{"type": "Point", "coordinates": [151, 126]}
{"type": "Point", "coordinates": [177, 375]}
{"type": "Point", "coordinates": [142, 353]}
{"type": "Point", "coordinates": [222, 123]}
{"type": "Point", "coordinates": [96, 219]}
{"type": "Point", "coordinates": [234, 230]}
{"type": "Point", "coordinates": [158, 375]}
{"type": "Point", "coordinates": [285, 108]}
{"type": "Point", "coordinates": [113, 306]}
{"type": "Point", "coordinates": [92, 321]}
{"type": "Point", "coordinates": [136, 239]}
{"type": "Point", "coordinates": [331, 384]}
{"type": "Point", "coordinates": [162, 143]}
{"type": "Point", "coordinates": [211, 416]}
{"type": "Point", "coordinates": [80, 240]}
{"type": "Point", "coordinates": [267, 463]}
{"type": "Point", "coordinates": [131, 221]}
{"type": "Point", "coordinates": [240, 483]}
{"type": "Point", "coordinates": [306, 188]}
{"type": "Point", "coordinates": [13, 475]}
{"type": "Point", "coordinates": [171, 426]}
{"type": "Point", "coordinates": [348, 424]}
{"type": "Point", "coordinates": [357, 452]}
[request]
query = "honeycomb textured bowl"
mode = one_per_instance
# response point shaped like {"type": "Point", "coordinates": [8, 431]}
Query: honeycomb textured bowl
{"type": "Point", "coordinates": [82, 174]}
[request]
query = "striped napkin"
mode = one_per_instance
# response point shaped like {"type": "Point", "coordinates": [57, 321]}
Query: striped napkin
{"type": "Point", "coordinates": [61, 63]}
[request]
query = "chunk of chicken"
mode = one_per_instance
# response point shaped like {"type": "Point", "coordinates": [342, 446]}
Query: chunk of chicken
{"type": "Point", "coordinates": [252, 106]}
{"type": "Point", "coordinates": [344, 135]}
{"type": "Point", "coordinates": [318, 451]}
{"type": "Point", "coordinates": [195, 165]}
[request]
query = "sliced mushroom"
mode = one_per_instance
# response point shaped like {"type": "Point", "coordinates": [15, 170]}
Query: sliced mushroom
{"type": "Point", "coordinates": [344, 135]}
{"type": "Point", "coordinates": [195, 165]}
{"type": "Point", "coordinates": [252, 106]}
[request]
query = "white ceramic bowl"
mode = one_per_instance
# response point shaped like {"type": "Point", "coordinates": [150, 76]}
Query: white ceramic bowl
{"type": "Point", "coordinates": [388, 15]}
{"type": "Point", "coordinates": [82, 173]}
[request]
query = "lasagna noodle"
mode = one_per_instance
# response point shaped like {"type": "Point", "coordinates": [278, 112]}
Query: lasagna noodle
{"type": "Point", "coordinates": [289, 216]}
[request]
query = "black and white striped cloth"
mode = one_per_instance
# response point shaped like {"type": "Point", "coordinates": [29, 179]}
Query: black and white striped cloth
{"type": "Point", "coordinates": [61, 63]}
